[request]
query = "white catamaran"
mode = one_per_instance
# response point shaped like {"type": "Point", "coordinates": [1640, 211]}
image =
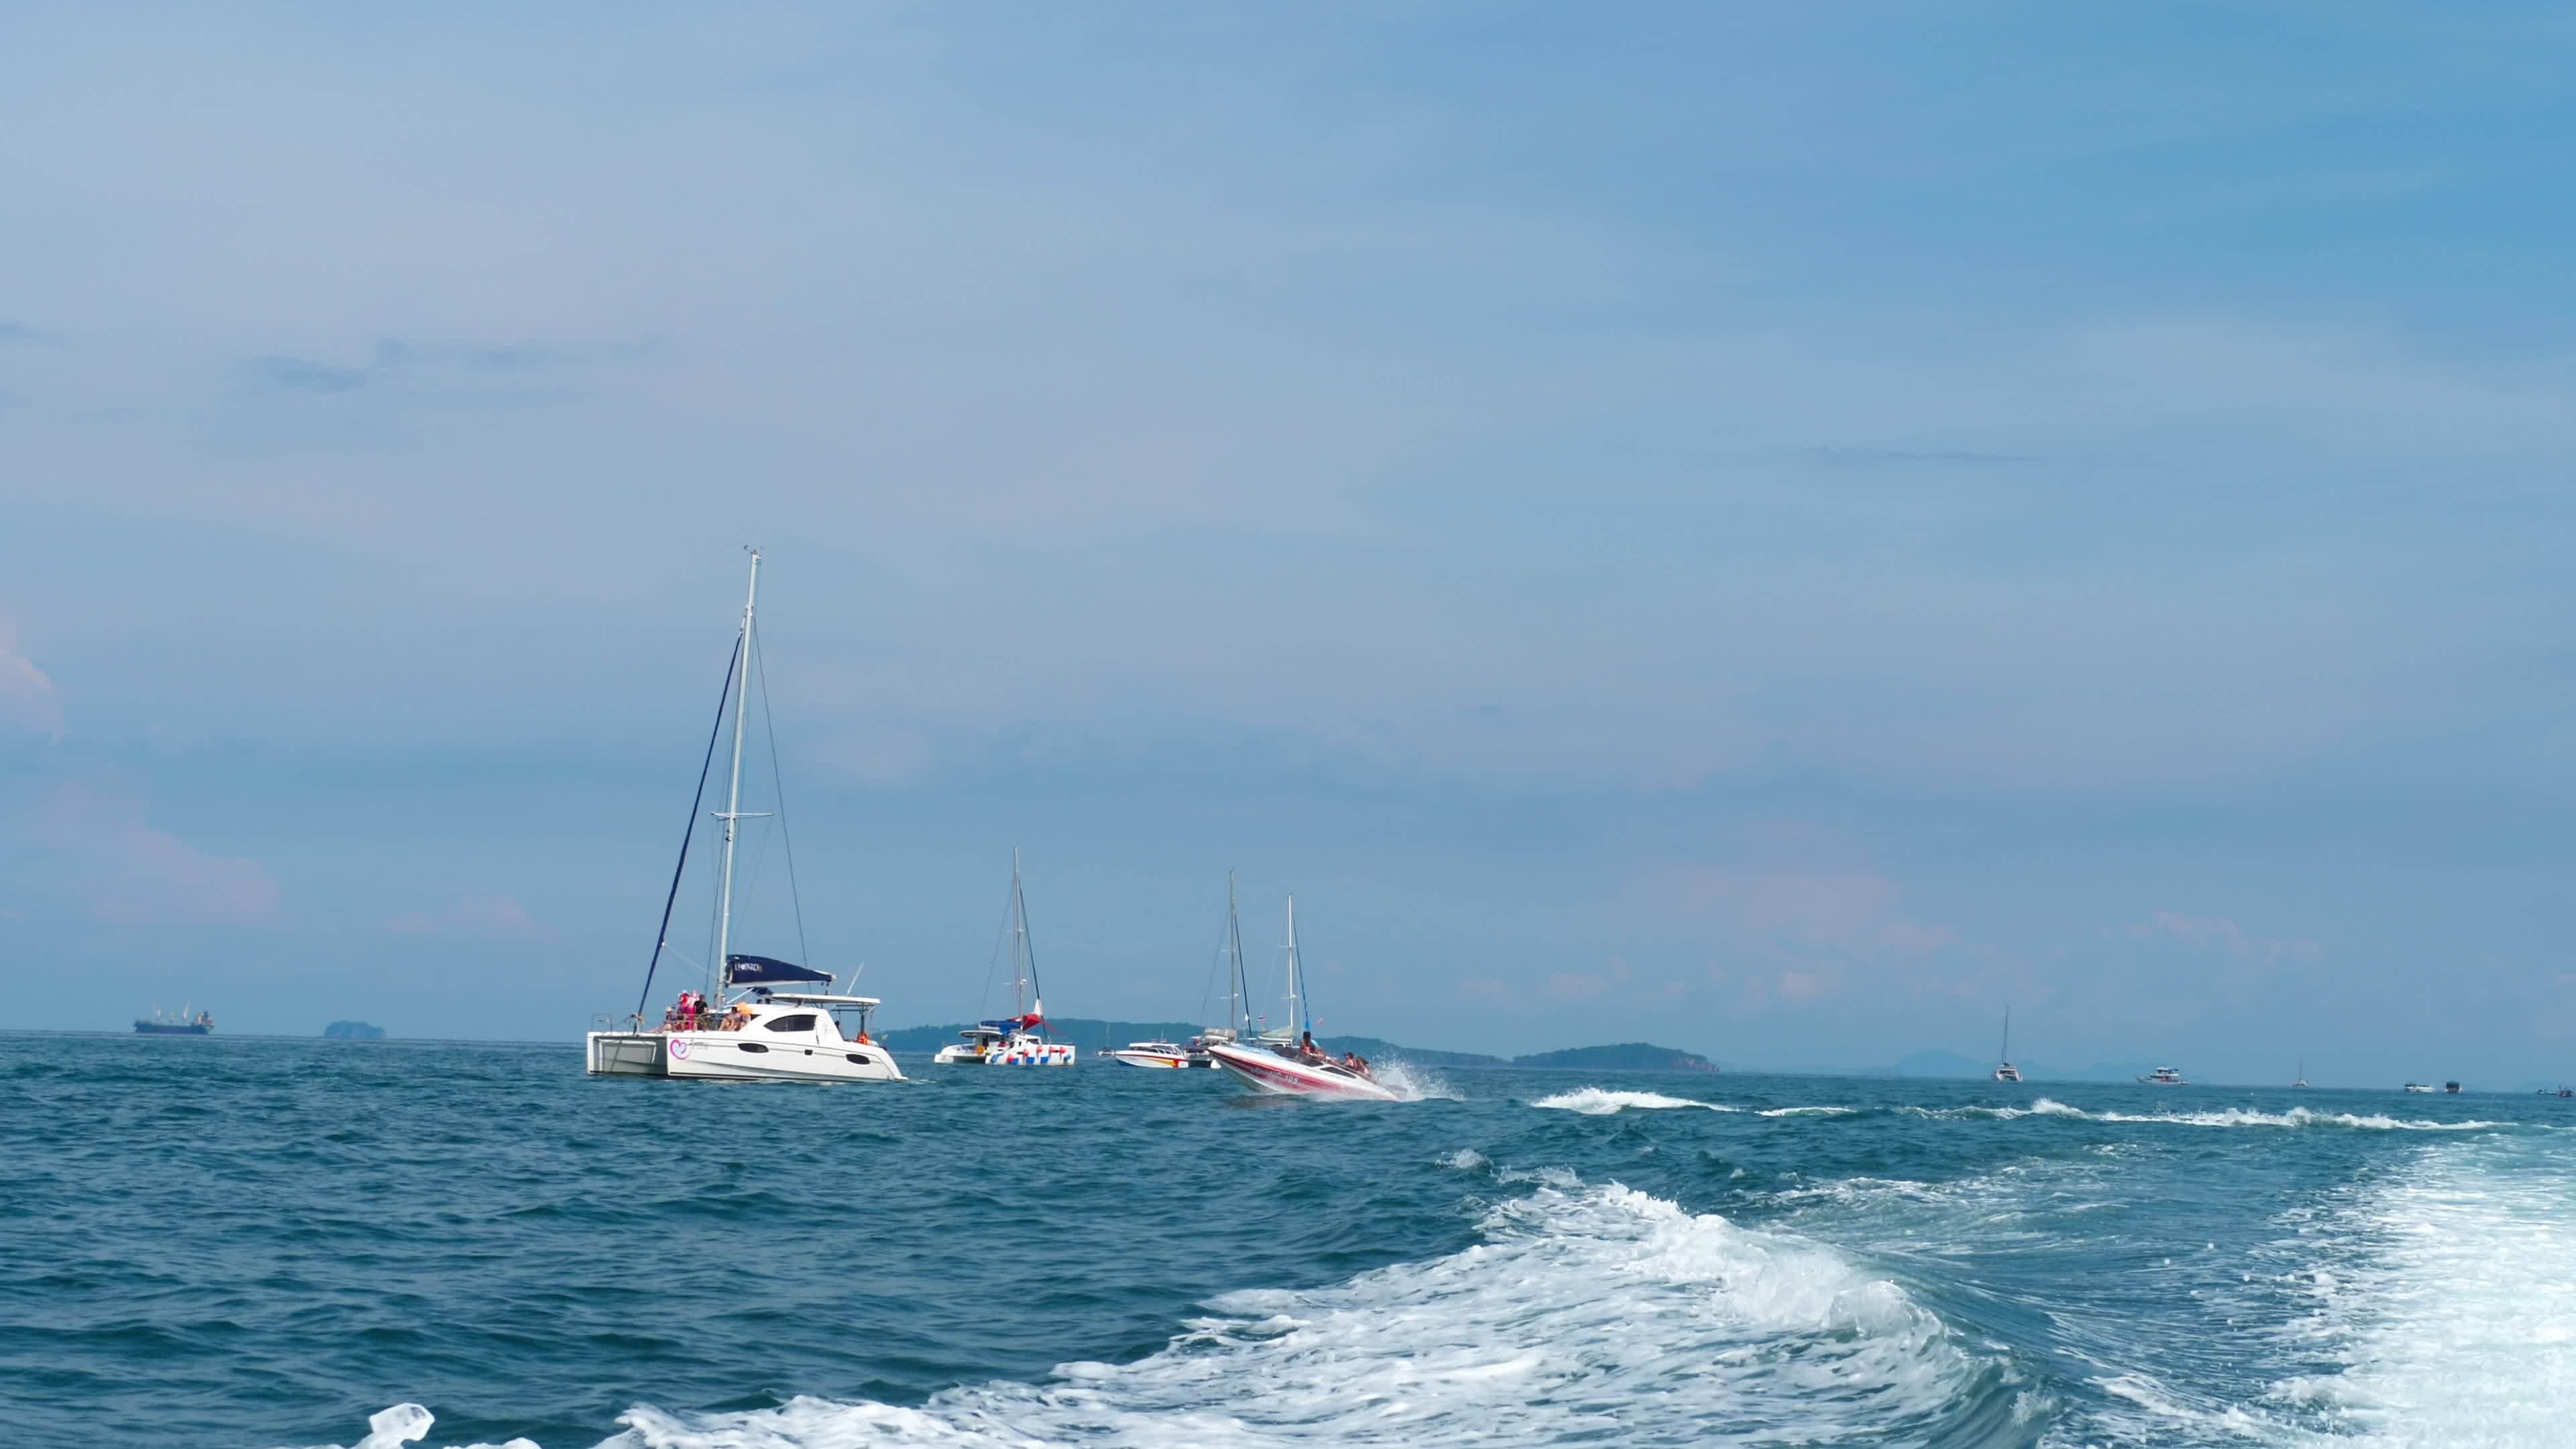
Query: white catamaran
{"type": "Point", "coordinates": [1019, 1039]}
{"type": "Point", "coordinates": [743, 1026]}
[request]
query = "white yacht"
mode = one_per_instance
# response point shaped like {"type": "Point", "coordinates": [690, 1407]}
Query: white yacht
{"type": "Point", "coordinates": [2005, 1071]}
{"type": "Point", "coordinates": [759, 1018]}
{"type": "Point", "coordinates": [2164, 1077]}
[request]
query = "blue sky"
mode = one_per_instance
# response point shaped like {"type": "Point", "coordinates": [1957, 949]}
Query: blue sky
{"type": "Point", "coordinates": [1775, 533]}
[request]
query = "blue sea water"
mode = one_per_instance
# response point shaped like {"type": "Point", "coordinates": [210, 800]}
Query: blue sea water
{"type": "Point", "coordinates": [268, 1243]}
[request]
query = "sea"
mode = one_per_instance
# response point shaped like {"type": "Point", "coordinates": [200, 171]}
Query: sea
{"type": "Point", "coordinates": [274, 1244]}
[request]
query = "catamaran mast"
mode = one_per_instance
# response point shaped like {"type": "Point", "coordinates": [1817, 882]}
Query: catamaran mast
{"type": "Point", "coordinates": [1024, 961]}
{"type": "Point", "coordinates": [732, 813]}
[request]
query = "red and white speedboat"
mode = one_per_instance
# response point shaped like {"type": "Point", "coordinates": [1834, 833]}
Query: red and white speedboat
{"type": "Point", "coordinates": [1273, 1063]}
{"type": "Point", "coordinates": [1286, 1072]}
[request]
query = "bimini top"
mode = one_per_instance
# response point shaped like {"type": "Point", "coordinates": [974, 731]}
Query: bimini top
{"type": "Point", "coordinates": [766, 970]}
{"type": "Point", "coordinates": [1014, 1023]}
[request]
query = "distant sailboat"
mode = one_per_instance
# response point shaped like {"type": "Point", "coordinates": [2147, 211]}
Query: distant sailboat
{"type": "Point", "coordinates": [2005, 1071]}
{"type": "Point", "coordinates": [2303, 1073]}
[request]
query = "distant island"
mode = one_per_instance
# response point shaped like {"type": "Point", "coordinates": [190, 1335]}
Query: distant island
{"type": "Point", "coordinates": [1635, 1056]}
{"type": "Point", "coordinates": [1093, 1036]}
{"type": "Point", "coordinates": [353, 1031]}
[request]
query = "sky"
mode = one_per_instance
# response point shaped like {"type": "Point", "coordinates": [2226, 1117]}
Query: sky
{"type": "Point", "coordinates": [1778, 532]}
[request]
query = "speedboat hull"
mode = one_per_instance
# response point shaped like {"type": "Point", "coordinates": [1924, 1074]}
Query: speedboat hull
{"type": "Point", "coordinates": [1159, 1060]}
{"type": "Point", "coordinates": [1293, 1077]}
{"type": "Point", "coordinates": [725, 1056]}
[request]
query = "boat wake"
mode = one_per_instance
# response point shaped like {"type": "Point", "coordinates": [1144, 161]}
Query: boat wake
{"type": "Point", "coordinates": [1587, 1314]}
{"type": "Point", "coordinates": [2456, 1315]}
{"type": "Point", "coordinates": [1411, 1083]}
{"type": "Point", "coordinates": [2247, 1117]}
{"type": "Point", "coordinates": [1601, 1102]}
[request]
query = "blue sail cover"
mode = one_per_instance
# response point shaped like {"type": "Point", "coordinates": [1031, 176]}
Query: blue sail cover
{"type": "Point", "coordinates": [768, 971]}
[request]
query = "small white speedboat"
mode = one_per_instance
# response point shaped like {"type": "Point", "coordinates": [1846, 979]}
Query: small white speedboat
{"type": "Point", "coordinates": [1164, 1055]}
{"type": "Point", "coordinates": [2164, 1077]}
{"type": "Point", "coordinates": [2423, 1087]}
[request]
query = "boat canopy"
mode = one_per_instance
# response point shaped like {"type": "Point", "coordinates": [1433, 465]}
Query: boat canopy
{"type": "Point", "coordinates": [1014, 1023]}
{"type": "Point", "coordinates": [762, 970]}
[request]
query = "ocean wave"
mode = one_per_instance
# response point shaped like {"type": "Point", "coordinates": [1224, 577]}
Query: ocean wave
{"type": "Point", "coordinates": [1587, 1314]}
{"type": "Point", "coordinates": [1601, 1102]}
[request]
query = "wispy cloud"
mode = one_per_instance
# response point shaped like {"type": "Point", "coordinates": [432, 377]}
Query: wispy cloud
{"type": "Point", "coordinates": [298, 374]}
{"type": "Point", "coordinates": [476, 917]}
{"type": "Point", "coordinates": [2226, 937]}
{"type": "Point", "coordinates": [28, 700]}
{"type": "Point", "coordinates": [133, 873]}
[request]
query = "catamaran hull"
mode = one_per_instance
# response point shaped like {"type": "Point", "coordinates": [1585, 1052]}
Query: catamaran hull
{"type": "Point", "coordinates": [1050, 1054]}
{"type": "Point", "coordinates": [726, 1057]}
{"type": "Point", "coordinates": [1287, 1077]}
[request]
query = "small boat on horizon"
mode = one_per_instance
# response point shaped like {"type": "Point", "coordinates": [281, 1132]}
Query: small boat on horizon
{"type": "Point", "coordinates": [2164, 1077]}
{"type": "Point", "coordinates": [1287, 1062]}
{"type": "Point", "coordinates": [2005, 1071]}
{"type": "Point", "coordinates": [2422, 1088]}
{"type": "Point", "coordinates": [2303, 1073]}
{"type": "Point", "coordinates": [187, 1021]}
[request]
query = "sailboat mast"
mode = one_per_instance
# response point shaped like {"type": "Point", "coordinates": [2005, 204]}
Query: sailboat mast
{"type": "Point", "coordinates": [1238, 1008]}
{"type": "Point", "coordinates": [1296, 974]}
{"type": "Point", "coordinates": [733, 790]}
{"type": "Point", "coordinates": [2006, 1054]}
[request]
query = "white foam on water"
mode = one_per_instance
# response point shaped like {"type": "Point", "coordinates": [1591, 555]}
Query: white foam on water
{"type": "Point", "coordinates": [407, 1423]}
{"type": "Point", "coordinates": [1598, 1315]}
{"type": "Point", "coordinates": [2247, 1117]}
{"type": "Point", "coordinates": [1807, 1111]}
{"type": "Point", "coordinates": [1465, 1159]}
{"type": "Point", "coordinates": [1412, 1083]}
{"type": "Point", "coordinates": [2457, 1317]}
{"type": "Point", "coordinates": [1601, 1102]}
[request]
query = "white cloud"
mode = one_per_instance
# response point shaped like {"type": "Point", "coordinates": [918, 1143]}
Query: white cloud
{"type": "Point", "coordinates": [28, 700]}
{"type": "Point", "coordinates": [477, 917]}
{"type": "Point", "coordinates": [133, 873]}
{"type": "Point", "coordinates": [2225, 937]}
